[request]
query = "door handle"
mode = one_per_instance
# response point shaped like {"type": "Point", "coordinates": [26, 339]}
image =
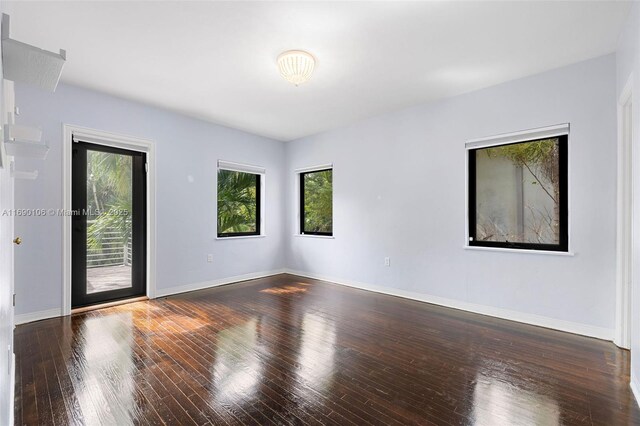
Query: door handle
{"type": "Point", "coordinates": [17, 240]}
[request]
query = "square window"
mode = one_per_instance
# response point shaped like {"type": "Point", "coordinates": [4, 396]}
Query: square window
{"type": "Point", "coordinates": [316, 202]}
{"type": "Point", "coordinates": [518, 195]}
{"type": "Point", "coordinates": [238, 203]}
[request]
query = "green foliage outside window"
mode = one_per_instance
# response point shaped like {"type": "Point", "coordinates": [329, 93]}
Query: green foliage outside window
{"type": "Point", "coordinates": [238, 203]}
{"type": "Point", "coordinates": [108, 191]}
{"type": "Point", "coordinates": [318, 202]}
{"type": "Point", "coordinates": [540, 158]}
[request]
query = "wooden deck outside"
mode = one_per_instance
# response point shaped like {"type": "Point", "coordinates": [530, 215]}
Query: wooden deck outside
{"type": "Point", "coordinates": [105, 278]}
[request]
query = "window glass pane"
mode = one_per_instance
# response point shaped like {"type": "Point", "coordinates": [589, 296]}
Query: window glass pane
{"type": "Point", "coordinates": [109, 198]}
{"type": "Point", "coordinates": [318, 202]}
{"type": "Point", "coordinates": [518, 193]}
{"type": "Point", "coordinates": [238, 203]}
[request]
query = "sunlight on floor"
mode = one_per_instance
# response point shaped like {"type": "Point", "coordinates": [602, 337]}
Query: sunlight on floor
{"type": "Point", "coordinates": [289, 289]}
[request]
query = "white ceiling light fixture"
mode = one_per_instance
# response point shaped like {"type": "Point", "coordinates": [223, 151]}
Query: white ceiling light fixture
{"type": "Point", "coordinates": [296, 66]}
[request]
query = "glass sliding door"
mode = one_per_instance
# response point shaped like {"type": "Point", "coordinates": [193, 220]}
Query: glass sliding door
{"type": "Point", "coordinates": [108, 224]}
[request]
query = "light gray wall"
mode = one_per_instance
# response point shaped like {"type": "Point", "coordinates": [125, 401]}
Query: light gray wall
{"type": "Point", "coordinates": [399, 191]}
{"type": "Point", "coordinates": [399, 184]}
{"type": "Point", "coordinates": [186, 212]}
{"type": "Point", "coordinates": [628, 67]}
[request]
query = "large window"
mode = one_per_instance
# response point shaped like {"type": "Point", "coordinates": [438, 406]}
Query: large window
{"type": "Point", "coordinates": [316, 202]}
{"type": "Point", "coordinates": [238, 203]}
{"type": "Point", "coordinates": [518, 195]}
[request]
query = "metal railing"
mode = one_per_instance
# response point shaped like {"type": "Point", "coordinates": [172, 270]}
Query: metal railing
{"type": "Point", "coordinates": [112, 251]}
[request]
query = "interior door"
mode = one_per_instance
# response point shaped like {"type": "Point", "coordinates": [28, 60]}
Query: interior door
{"type": "Point", "coordinates": [7, 243]}
{"type": "Point", "coordinates": [108, 225]}
{"type": "Point", "coordinates": [6, 295]}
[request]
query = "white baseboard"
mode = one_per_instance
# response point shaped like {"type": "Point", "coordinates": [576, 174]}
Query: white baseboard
{"type": "Point", "coordinates": [532, 319]}
{"type": "Point", "coordinates": [162, 292]}
{"type": "Point", "coordinates": [538, 320]}
{"type": "Point", "coordinates": [12, 395]}
{"type": "Point", "coordinates": [635, 387]}
{"type": "Point", "coordinates": [37, 316]}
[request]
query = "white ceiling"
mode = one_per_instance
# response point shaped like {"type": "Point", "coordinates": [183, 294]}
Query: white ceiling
{"type": "Point", "coordinates": [217, 60]}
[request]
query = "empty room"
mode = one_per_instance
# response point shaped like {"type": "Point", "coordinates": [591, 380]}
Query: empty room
{"type": "Point", "coordinates": [320, 213]}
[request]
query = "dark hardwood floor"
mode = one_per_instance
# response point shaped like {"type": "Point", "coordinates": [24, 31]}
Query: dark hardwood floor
{"type": "Point", "coordinates": [290, 350]}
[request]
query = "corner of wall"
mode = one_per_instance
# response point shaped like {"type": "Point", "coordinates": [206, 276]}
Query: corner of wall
{"type": "Point", "coordinates": [628, 67]}
{"type": "Point", "coordinates": [287, 217]}
{"type": "Point", "coordinates": [635, 387]}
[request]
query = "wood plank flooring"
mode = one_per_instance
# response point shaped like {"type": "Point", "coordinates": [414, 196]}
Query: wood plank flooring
{"type": "Point", "coordinates": [291, 350]}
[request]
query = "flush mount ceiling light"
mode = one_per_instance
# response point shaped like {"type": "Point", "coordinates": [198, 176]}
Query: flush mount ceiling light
{"type": "Point", "coordinates": [296, 66]}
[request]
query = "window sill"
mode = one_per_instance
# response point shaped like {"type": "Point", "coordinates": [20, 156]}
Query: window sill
{"type": "Point", "coordinates": [521, 251]}
{"type": "Point", "coordinates": [240, 237]}
{"type": "Point", "coordinates": [329, 237]}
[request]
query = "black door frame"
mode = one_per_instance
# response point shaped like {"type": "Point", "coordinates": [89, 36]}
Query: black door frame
{"type": "Point", "coordinates": [79, 296]}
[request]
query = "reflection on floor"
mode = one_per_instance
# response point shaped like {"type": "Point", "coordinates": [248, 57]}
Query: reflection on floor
{"type": "Point", "coordinates": [291, 350]}
{"type": "Point", "coordinates": [105, 278]}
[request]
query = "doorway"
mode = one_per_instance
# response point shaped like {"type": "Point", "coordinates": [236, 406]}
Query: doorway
{"type": "Point", "coordinates": [108, 224]}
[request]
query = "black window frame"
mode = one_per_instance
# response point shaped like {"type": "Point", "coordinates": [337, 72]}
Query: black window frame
{"type": "Point", "coordinates": [302, 210]}
{"type": "Point", "coordinates": [563, 244]}
{"type": "Point", "coordinates": [258, 230]}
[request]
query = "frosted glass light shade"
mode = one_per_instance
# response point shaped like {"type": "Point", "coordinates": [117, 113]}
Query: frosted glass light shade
{"type": "Point", "coordinates": [296, 66]}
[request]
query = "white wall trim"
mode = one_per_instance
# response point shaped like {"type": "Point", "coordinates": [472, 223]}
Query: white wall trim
{"type": "Point", "coordinates": [241, 237]}
{"type": "Point", "coordinates": [37, 316]}
{"type": "Point", "coordinates": [314, 168]}
{"type": "Point", "coordinates": [12, 383]}
{"type": "Point", "coordinates": [241, 167]}
{"type": "Point", "coordinates": [53, 313]}
{"type": "Point", "coordinates": [115, 140]}
{"type": "Point", "coordinates": [519, 136]}
{"type": "Point", "coordinates": [329, 237]}
{"type": "Point", "coordinates": [625, 218]}
{"type": "Point", "coordinates": [8, 107]}
{"type": "Point", "coordinates": [162, 292]}
{"type": "Point", "coordinates": [532, 319]}
{"type": "Point", "coordinates": [119, 141]}
{"type": "Point", "coordinates": [635, 387]}
{"type": "Point", "coordinates": [520, 251]}
{"type": "Point", "coordinates": [526, 318]}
